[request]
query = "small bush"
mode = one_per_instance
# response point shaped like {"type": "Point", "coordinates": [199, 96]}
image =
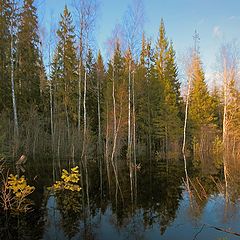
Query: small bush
{"type": "Point", "coordinates": [69, 181]}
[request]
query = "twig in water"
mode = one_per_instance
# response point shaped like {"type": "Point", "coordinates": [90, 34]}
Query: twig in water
{"type": "Point", "coordinates": [195, 237]}
{"type": "Point", "coordinates": [225, 230]}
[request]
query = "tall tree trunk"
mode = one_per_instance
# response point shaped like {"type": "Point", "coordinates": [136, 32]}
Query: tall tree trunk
{"type": "Point", "coordinates": [84, 114]}
{"type": "Point", "coordinates": [51, 99]}
{"type": "Point", "coordinates": [79, 95]}
{"type": "Point", "coordinates": [134, 135]}
{"type": "Point", "coordinates": [51, 113]}
{"type": "Point", "coordinates": [129, 113]}
{"type": "Point", "coordinates": [225, 130]}
{"type": "Point", "coordinates": [185, 128]}
{"type": "Point", "coordinates": [16, 130]}
{"type": "Point", "coordinates": [107, 149]}
{"type": "Point", "coordinates": [84, 149]}
{"type": "Point", "coordinates": [115, 133]}
{"type": "Point", "coordinates": [99, 133]}
{"type": "Point", "coordinates": [80, 78]}
{"type": "Point", "coordinates": [129, 151]}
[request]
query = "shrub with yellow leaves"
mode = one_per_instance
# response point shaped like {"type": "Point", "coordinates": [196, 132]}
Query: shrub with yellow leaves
{"type": "Point", "coordinates": [69, 181]}
{"type": "Point", "coordinates": [16, 192]}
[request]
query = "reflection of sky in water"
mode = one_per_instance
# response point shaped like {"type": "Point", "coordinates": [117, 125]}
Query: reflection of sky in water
{"type": "Point", "coordinates": [185, 226]}
{"type": "Point", "coordinates": [53, 229]}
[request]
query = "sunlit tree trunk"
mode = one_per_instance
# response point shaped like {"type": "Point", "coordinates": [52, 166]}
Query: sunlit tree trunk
{"type": "Point", "coordinates": [149, 107]}
{"type": "Point", "coordinates": [107, 147]}
{"type": "Point", "coordinates": [16, 131]}
{"type": "Point", "coordinates": [79, 94]}
{"type": "Point", "coordinates": [129, 151]}
{"type": "Point", "coordinates": [225, 139]}
{"type": "Point", "coordinates": [129, 112]}
{"type": "Point", "coordinates": [84, 149]}
{"type": "Point", "coordinates": [99, 132]}
{"type": "Point", "coordinates": [189, 75]}
{"type": "Point", "coordinates": [51, 99]}
{"type": "Point", "coordinates": [134, 135]}
{"type": "Point", "coordinates": [115, 133]}
{"type": "Point", "coordinates": [114, 123]}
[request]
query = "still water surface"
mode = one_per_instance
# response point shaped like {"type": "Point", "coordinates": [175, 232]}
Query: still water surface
{"type": "Point", "coordinates": [161, 207]}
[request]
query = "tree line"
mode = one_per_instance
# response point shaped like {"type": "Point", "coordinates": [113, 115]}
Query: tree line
{"type": "Point", "coordinates": [130, 105]}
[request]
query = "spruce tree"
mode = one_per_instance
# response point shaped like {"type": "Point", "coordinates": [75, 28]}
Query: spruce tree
{"type": "Point", "coordinates": [167, 100]}
{"type": "Point", "coordinates": [144, 75]}
{"type": "Point", "coordinates": [91, 101]}
{"type": "Point", "coordinates": [172, 99]}
{"type": "Point", "coordinates": [5, 83]}
{"type": "Point", "coordinates": [64, 70]}
{"type": "Point", "coordinates": [28, 62]}
{"type": "Point", "coordinates": [200, 111]}
{"type": "Point", "coordinates": [157, 93]}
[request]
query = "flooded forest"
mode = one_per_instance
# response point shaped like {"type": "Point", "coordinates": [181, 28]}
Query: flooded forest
{"type": "Point", "coordinates": [130, 143]}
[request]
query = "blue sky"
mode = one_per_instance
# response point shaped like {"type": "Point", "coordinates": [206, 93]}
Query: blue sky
{"type": "Point", "coordinates": [217, 21]}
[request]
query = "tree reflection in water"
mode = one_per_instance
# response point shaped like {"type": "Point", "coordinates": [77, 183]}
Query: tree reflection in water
{"type": "Point", "coordinates": [162, 208]}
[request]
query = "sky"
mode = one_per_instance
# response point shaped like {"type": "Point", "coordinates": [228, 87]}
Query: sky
{"type": "Point", "coordinates": [216, 21]}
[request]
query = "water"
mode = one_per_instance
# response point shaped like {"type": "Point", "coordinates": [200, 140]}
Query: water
{"type": "Point", "coordinates": [161, 206]}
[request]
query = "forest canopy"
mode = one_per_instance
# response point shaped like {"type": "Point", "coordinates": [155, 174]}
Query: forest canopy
{"type": "Point", "coordinates": [127, 104]}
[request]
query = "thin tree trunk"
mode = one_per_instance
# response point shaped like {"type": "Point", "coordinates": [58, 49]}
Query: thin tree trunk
{"type": "Point", "coordinates": [67, 121]}
{"type": "Point", "coordinates": [115, 132]}
{"type": "Point", "coordinates": [185, 129]}
{"type": "Point", "coordinates": [134, 135]}
{"type": "Point", "coordinates": [16, 131]}
{"type": "Point", "coordinates": [107, 149]}
{"type": "Point", "coordinates": [225, 132]}
{"type": "Point", "coordinates": [79, 95]}
{"type": "Point", "coordinates": [99, 133]}
{"type": "Point", "coordinates": [84, 154]}
{"type": "Point", "coordinates": [84, 114]}
{"type": "Point", "coordinates": [51, 114]}
{"type": "Point", "coordinates": [149, 118]}
{"type": "Point", "coordinates": [129, 151]}
{"type": "Point", "coordinates": [129, 113]}
{"type": "Point", "coordinates": [51, 99]}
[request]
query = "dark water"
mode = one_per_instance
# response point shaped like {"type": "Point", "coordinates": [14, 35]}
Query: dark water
{"type": "Point", "coordinates": [160, 207]}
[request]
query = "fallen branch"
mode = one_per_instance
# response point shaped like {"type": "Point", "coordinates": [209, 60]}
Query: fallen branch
{"type": "Point", "coordinates": [224, 230]}
{"type": "Point", "coordinates": [195, 237]}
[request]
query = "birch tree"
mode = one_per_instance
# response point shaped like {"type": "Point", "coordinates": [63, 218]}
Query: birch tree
{"type": "Point", "coordinates": [13, 31]}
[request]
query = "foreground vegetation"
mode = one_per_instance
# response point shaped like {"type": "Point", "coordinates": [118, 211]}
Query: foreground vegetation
{"type": "Point", "coordinates": [109, 114]}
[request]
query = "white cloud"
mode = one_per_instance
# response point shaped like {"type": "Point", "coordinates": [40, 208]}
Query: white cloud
{"type": "Point", "coordinates": [217, 32]}
{"type": "Point", "coordinates": [234, 17]}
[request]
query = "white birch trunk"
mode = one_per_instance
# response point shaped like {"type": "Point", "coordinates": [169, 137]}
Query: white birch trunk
{"type": "Point", "coordinates": [99, 133]}
{"type": "Point", "coordinates": [185, 122]}
{"type": "Point", "coordinates": [16, 130]}
{"type": "Point", "coordinates": [134, 134]}
{"type": "Point", "coordinates": [129, 152]}
{"type": "Point", "coordinates": [84, 114]}
{"type": "Point", "coordinates": [129, 112]}
{"type": "Point", "coordinates": [79, 94]}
